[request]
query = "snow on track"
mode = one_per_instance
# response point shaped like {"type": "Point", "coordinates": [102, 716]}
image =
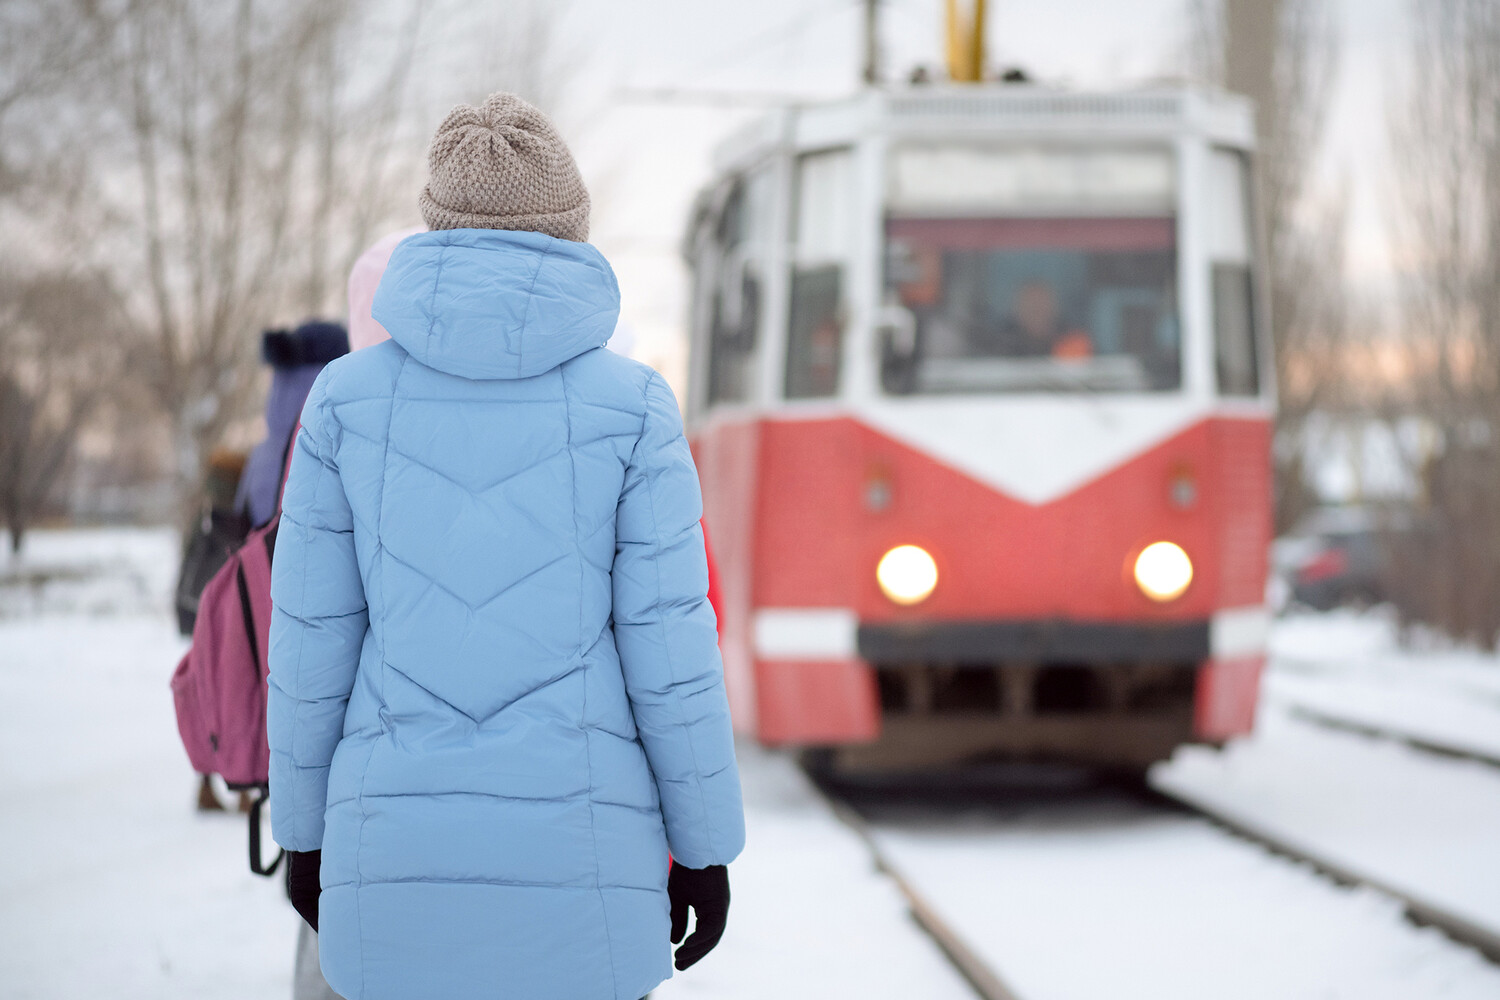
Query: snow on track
{"type": "Point", "coordinates": [1421, 825]}
{"type": "Point", "coordinates": [1347, 668]}
{"type": "Point", "coordinates": [811, 917]}
{"type": "Point", "coordinates": [1104, 896]}
{"type": "Point", "coordinates": [985, 981]}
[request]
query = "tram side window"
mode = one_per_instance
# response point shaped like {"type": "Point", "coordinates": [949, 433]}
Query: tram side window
{"type": "Point", "coordinates": [815, 323]}
{"type": "Point", "coordinates": [1232, 276]}
{"type": "Point", "coordinates": [734, 293]}
{"type": "Point", "coordinates": [814, 333]}
{"type": "Point", "coordinates": [1234, 330]}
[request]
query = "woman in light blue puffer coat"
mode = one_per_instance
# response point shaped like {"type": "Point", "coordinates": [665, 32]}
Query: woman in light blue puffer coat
{"type": "Point", "coordinates": [496, 700]}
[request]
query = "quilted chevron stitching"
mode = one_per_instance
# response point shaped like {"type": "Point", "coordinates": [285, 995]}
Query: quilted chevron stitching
{"type": "Point", "coordinates": [481, 721]}
{"type": "Point", "coordinates": [474, 609]}
{"type": "Point", "coordinates": [431, 693]}
{"type": "Point", "coordinates": [529, 467]}
{"type": "Point", "coordinates": [481, 497]}
{"type": "Point", "coordinates": [473, 447]}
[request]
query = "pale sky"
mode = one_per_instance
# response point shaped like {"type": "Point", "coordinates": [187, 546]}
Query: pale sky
{"type": "Point", "coordinates": [644, 160]}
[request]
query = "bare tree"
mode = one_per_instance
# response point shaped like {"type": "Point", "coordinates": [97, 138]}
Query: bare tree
{"type": "Point", "coordinates": [520, 48]}
{"type": "Point", "coordinates": [218, 166]}
{"type": "Point", "coordinates": [1202, 55]}
{"type": "Point", "coordinates": [54, 309]}
{"type": "Point", "coordinates": [250, 165]}
{"type": "Point", "coordinates": [56, 377]}
{"type": "Point", "coordinates": [42, 49]}
{"type": "Point", "coordinates": [1446, 131]}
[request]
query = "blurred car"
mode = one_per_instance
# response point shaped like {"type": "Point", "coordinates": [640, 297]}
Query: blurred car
{"type": "Point", "coordinates": [1334, 557]}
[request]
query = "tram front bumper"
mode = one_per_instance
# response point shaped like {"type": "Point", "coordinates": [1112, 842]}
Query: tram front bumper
{"type": "Point", "coordinates": [1106, 692]}
{"type": "Point", "coordinates": [1034, 642]}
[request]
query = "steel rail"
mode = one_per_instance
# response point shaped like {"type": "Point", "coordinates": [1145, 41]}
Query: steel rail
{"type": "Point", "coordinates": [975, 971]}
{"type": "Point", "coordinates": [1328, 720]}
{"type": "Point", "coordinates": [1419, 911]}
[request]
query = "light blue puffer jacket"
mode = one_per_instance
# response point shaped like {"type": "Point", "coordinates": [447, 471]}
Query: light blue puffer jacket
{"type": "Point", "coordinates": [496, 695]}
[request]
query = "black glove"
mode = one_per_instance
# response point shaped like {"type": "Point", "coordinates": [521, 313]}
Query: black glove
{"type": "Point", "coordinates": [302, 868]}
{"type": "Point", "coordinates": [706, 892]}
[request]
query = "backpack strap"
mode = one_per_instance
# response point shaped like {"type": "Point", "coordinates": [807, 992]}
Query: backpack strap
{"type": "Point", "coordinates": [262, 792]}
{"type": "Point", "coordinates": [247, 609]}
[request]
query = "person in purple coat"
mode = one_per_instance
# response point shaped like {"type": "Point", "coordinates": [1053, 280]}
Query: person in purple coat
{"type": "Point", "coordinates": [296, 357]}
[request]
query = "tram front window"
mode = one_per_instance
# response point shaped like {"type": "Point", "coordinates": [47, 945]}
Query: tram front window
{"type": "Point", "coordinates": [1031, 267]}
{"type": "Point", "coordinates": [1032, 304]}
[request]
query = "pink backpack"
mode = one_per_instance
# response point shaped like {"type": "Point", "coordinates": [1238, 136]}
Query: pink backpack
{"type": "Point", "coordinates": [219, 687]}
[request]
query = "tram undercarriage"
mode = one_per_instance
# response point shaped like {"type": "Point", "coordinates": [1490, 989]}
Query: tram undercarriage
{"type": "Point", "coordinates": [938, 715]}
{"type": "Point", "coordinates": [1095, 693]}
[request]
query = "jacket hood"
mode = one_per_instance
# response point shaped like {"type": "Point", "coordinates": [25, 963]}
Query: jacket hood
{"type": "Point", "coordinates": [495, 303]}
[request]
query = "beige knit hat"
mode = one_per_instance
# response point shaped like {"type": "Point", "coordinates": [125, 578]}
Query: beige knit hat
{"type": "Point", "coordinates": [503, 166]}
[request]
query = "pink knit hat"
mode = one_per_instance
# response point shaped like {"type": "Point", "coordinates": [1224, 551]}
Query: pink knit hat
{"type": "Point", "coordinates": [364, 278]}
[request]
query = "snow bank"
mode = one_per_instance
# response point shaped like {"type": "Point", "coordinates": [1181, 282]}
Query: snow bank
{"type": "Point", "coordinates": [1422, 824]}
{"type": "Point", "coordinates": [113, 886]}
{"type": "Point", "coordinates": [89, 571]}
{"type": "Point", "coordinates": [1349, 667]}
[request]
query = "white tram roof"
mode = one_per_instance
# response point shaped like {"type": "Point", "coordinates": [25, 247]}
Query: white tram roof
{"type": "Point", "coordinates": [996, 109]}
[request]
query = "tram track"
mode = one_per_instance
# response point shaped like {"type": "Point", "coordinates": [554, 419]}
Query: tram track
{"type": "Point", "coordinates": [1420, 911]}
{"type": "Point", "coordinates": [849, 803]}
{"type": "Point", "coordinates": [1328, 720]}
{"type": "Point", "coordinates": [962, 942]}
{"type": "Point", "coordinates": [984, 980]}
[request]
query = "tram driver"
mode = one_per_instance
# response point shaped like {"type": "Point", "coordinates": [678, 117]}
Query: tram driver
{"type": "Point", "coordinates": [1034, 328]}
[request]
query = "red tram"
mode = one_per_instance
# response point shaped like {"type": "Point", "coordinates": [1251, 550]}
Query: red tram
{"type": "Point", "coordinates": [981, 402]}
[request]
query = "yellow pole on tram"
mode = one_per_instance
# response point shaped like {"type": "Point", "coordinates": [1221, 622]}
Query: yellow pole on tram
{"type": "Point", "coordinates": [966, 40]}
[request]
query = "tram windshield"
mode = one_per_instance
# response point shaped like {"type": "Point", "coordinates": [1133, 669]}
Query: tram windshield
{"type": "Point", "coordinates": [996, 281]}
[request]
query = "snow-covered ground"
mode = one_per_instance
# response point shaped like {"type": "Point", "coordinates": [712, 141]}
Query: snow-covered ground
{"type": "Point", "coordinates": [1071, 898]}
{"type": "Point", "coordinates": [1425, 826]}
{"type": "Point", "coordinates": [1349, 666]}
{"type": "Point", "coordinates": [1104, 896]}
{"type": "Point", "coordinates": [104, 571]}
{"type": "Point", "coordinates": [810, 916]}
{"type": "Point", "coordinates": [112, 886]}
{"type": "Point", "coordinates": [1422, 824]}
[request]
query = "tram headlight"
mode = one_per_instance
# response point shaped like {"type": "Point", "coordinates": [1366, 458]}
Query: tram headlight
{"type": "Point", "coordinates": [1163, 571]}
{"type": "Point", "coordinates": [907, 574]}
